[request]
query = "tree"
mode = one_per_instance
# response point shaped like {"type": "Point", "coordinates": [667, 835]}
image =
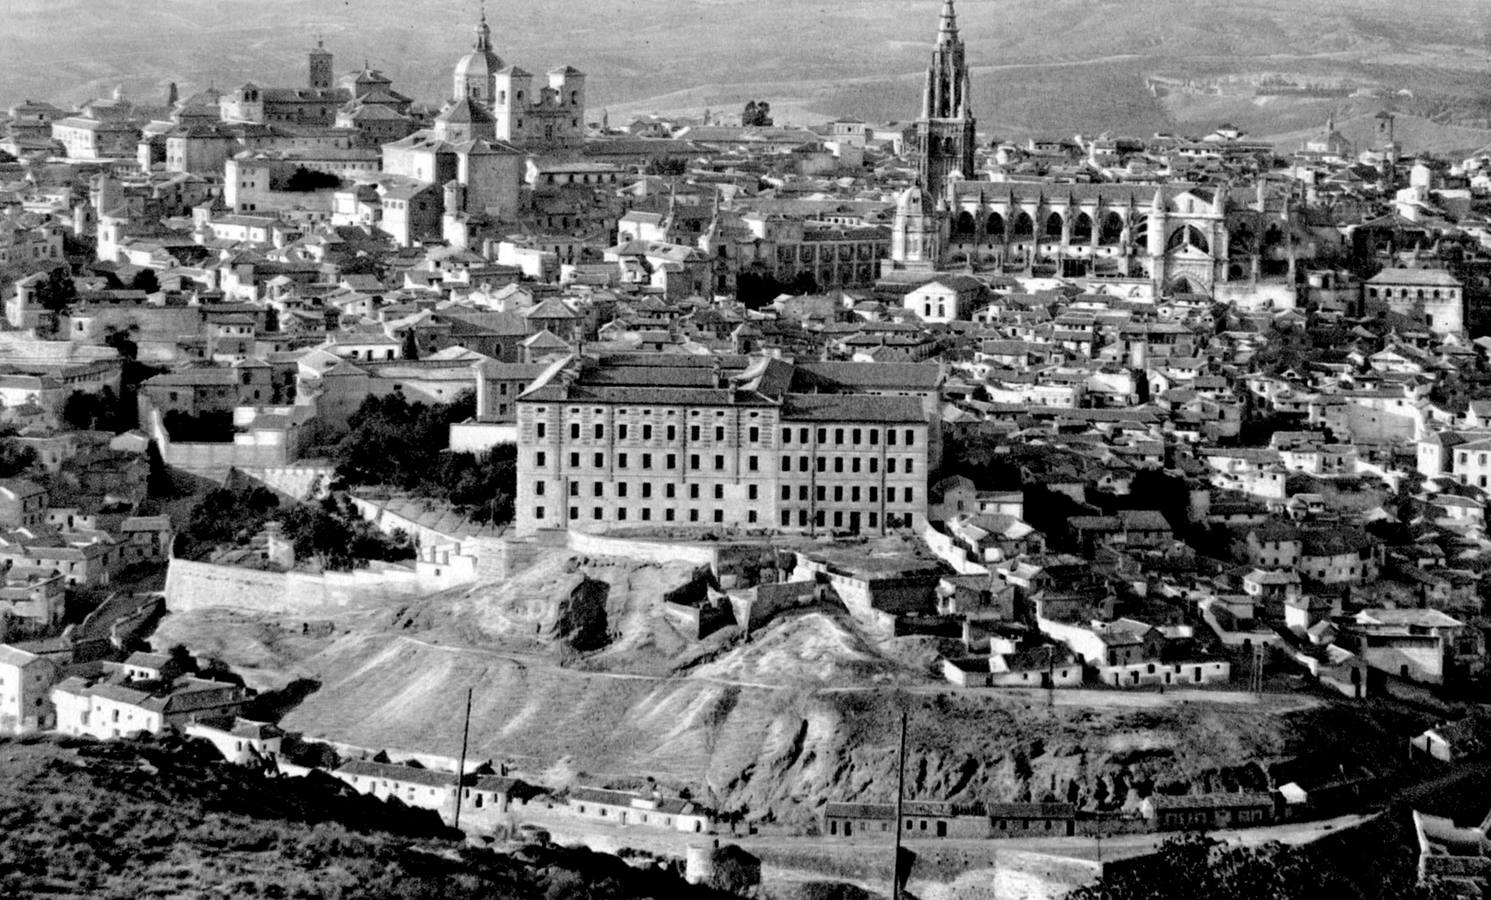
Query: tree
{"type": "Point", "coordinates": [145, 280]}
{"type": "Point", "coordinates": [120, 340]}
{"type": "Point", "coordinates": [15, 457]}
{"type": "Point", "coordinates": [57, 294]}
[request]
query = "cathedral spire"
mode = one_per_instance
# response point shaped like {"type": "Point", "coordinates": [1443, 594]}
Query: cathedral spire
{"type": "Point", "coordinates": [947, 24]}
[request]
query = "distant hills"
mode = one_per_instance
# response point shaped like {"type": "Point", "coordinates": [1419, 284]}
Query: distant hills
{"type": "Point", "coordinates": [1040, 66]}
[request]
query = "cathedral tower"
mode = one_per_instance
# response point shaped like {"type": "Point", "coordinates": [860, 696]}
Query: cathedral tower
{"type": "Point", "coordinates": [943, 139]}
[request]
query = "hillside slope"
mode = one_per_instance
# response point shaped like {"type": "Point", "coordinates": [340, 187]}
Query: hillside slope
{"type": "Point", "coordinates": [803, 713]}
{"type": "Point", "coordinates": [168, 819]}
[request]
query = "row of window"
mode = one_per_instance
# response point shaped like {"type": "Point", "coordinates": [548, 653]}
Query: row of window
{"type": "Point", "coordinates": [837, 464]}
{"type": "Point", "coordinates": [819, 518]}
{"type": "Point", "coordinates": [855, 436]}
{"type": "Point", "coordinates": [839, 492]}
{"type": "Point", "coordinates": [598, 432]}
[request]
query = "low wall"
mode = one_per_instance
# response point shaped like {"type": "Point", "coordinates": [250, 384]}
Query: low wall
{"type": "Point", "coordinates": [756, 606]}
{"type": "Point", "coordinates": [949, 552]}
{"type": "Point", "coordinates": [196, 585]}
{"type": "Point", "coordinates": [643, 551]}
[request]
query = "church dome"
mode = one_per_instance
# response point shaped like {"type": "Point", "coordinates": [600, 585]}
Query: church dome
{"type": "Point", "coordinates": [477, 70]}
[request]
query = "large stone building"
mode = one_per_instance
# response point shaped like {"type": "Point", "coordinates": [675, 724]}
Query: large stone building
{"type": "Point", "coordinates": [732, 441]}
{"type": "Point", "coordinates": [942, 141]}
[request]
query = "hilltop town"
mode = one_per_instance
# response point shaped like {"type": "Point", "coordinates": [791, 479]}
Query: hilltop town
{"type": "Point", "coordinates": [626, 483]}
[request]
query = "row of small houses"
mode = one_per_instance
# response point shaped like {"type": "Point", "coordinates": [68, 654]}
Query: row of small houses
{"type": "Point", "coordinates": [487, 796]}
{"type": "Point", "coordinates": [1158, 812]}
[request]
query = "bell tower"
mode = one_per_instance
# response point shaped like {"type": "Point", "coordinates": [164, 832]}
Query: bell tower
{"type": "Point", "coordinates": [943, 138]}
{"type": "Point", "coordinates": [321, 67]}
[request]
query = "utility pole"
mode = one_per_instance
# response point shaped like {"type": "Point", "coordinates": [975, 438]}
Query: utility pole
{"type": "Point", "coordinates": [895, 869]}
{"type": "Point", "coordinates": [461, 766]}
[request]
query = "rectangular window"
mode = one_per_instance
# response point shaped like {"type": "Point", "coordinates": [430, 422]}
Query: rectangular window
{"type": "Point", "coordinates": [786, 518]}
{"type": "Point", "coordinates": [874, 437]}
{"type": "Point", "coordinates": [539, 430]}
{"type": "Point", "coordinates": [574, 512]}
{"type": "Point", "coordinates": [647, 514]}
{"type": "Point", "coordinates": [854, 437]}
{"type": "Point", "coordinates": [646, 432]}
{"type": "Point", "coordinates": [874, 495]}
{"type": "Point", "coordinates": [646, 489]}
{"type": "Point", "coordinates": [719, 515]}
{"type": "Point", "coordinates": [693, 432]}
{"type": "Point", "coordinates": [802, 435]}
{"type": "Point", "coordinates": [838, 435]}
{"type": "Point", "coordinates": [890, 466]}
{"type": "Point", "coordinates": [910, 495]}
{"type": "Point", "coordinates": [595, 513]}
{"type": "Point", "coordinates": [538, 512]}
{"type": "Point", "coordinates": [574, 488]}
{"type": "Point", "coordinates": [786, 492]}
{"type": "Point", "coordinates": [538, 488]}
{"type": "Point", "coordinates": [600, 460]}
{"type": "Point", "coordinates": [786, 464]}
{"type": "Point", "coordinates": [574, 431]}
{"type": "Point", "coordinates": [668, 514]}
{"type": "Point", "coordinates": [669, 490]}
{"type": "Point", "coordinates": [802, 492]}
{"type": "Point", "coordinates": [598, 489]}
{"type": "Point", "coordinates": [694, 462]}
{"type": "Point", "coordinates": [647, 460]}
{"type": "Point", "coordinates": [672, 461]}
{"type": "Point", "coordinates": [890, 495]}
{"type": "Point", "coordinates": [822, 492]}
{"type": "Point", "coordinates": [621, 432]}
{"type": "Point", "coordinates": [874, 465]}
{"type": "Point", "coordinates": [908, 464]}
{"type": "Point", "coordinates": [786, 439]}
{"type": "Point", "coordinates": [890, 437]}
{"type": "Point", "coordinates": [719, 492]}
{"type": "Point", "coordinates": [751, 492]}
{"type": "Point", "coordinates": [823, 464]}
{"type": "Point", "coordinates": [538, 458]}
{"type": "Point", "coordinates": [719, 433]}
{"type": "Point", "coordinates": [754, 434]}
{"type": "Point", "coordinates": [719, 462]}
{"type": "Point", "coordinates": [574, 460]}
{"type": "Point", "coordinates": [823, 435]}
{"type": "Point", "coordinates": [838, 493]}
{"type": "Point", "coordinates": [751, 464]}
{"type": "Point", "coordinates": [854, 464]}
{"type": "Point", "coordinates": [910, 437]}
{"type": "Point", "coordinates": [854, 494]}
{"type": "Point", "coordinates": [838, 463]}
{"type": "Point", "coordinates": [621, 460]}
{"type": "Point", "coordinates": [620, 488]}
{"type": "Point", "coordinates": [693, 515]}
{"type": "Point", "coordinates": [802, 464]}
{"type": "Point", "coordinates": [672, 432]}
{"type": "Point", "coordinates": [693, 492]}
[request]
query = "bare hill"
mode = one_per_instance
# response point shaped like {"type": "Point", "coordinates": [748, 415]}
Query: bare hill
{"type": "Point", "coordinates": [802, 713]}
{"type": "Point", "coordinates": [1050, 66]}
